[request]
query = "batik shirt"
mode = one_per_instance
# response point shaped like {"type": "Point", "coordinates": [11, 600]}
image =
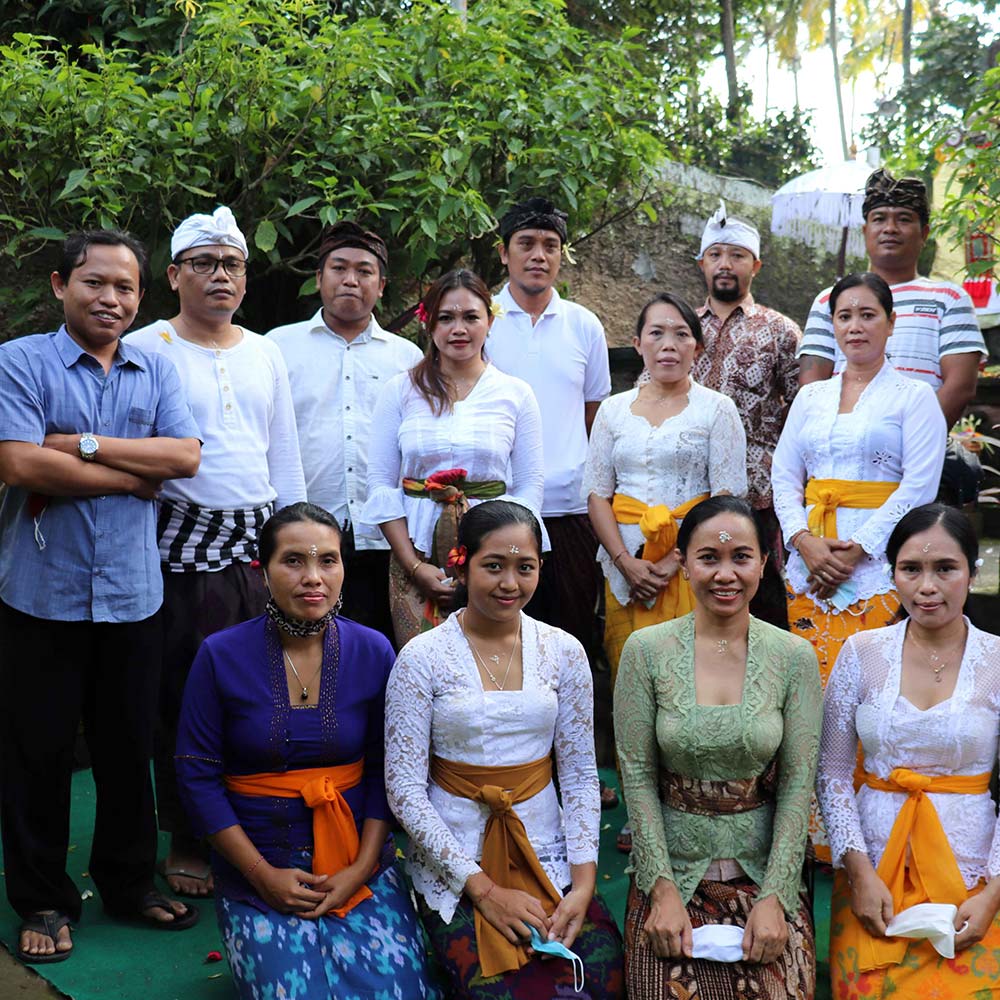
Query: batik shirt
{"type": "Point", "coordinates": [750, 357]}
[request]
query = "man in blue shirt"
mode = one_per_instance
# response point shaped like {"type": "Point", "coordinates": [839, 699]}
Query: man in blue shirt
{"type": "Point", "coordinates": [89, 429]}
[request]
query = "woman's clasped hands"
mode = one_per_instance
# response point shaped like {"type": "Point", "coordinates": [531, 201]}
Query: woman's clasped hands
{"type": "Point", "coordinates": [646, 579]}
{"type": "Point", "coordinates": [830, 562]}
{"type": "Point", "coordinates": [294, 890]}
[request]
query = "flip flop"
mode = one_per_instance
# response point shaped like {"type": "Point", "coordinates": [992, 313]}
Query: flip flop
{"type": "Point", "coordinates": [49, 924]}
{"type": "Point", "coordinates": [156, 900]}
{"type": "Point", "coordinates": [200, 875]}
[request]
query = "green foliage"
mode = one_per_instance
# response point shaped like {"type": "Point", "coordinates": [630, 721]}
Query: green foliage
{"type": "Point", "coordinates": [421, 125]}
{"type": "Point", "coordinates": [972, 198]}
{"type": "Point", "coordinates": [769, 151]}
{"type": "Point", "coordinates": [950, 55]}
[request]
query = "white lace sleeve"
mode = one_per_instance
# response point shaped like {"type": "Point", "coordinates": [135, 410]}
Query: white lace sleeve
{"type": "Point", "coordinates": [409, 709]}
{"type": "Point", "coordinates": [576, 762]}
{"type": "Point", "coordinates": [727, 451]}
{"type": "Point", "coordinates": [788, 470]}
{"type": "Point", "coordinates": [838, 755]}
{"type": "Point", "coordinates": [924, 438]}
{"type": "Point", "coordinates": [385, 495]}
{"type": "Point", "coordinates": [599, 472]}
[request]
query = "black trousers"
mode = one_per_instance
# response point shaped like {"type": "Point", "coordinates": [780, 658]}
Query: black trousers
{"type": "Point", "coordinates": [570, 580]}
{"type": "Point", "coordinates": [194, 606]}
{"type": "Point", "coordinates": [52, 675]}
{"type": "Point", "coordinates": [366, 586]}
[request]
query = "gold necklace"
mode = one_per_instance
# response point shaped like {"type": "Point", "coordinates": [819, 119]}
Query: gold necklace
{"type": "Point", "coordinates": [495, 659]}
{"type": "Point", "coordinates": [305, 690]}
{"type": "Point", "coordinates": [934, 660]}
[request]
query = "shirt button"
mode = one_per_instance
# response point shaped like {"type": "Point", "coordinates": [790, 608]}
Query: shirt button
{"type": "Point", "coordinates": [222, 371]}
{"type": "Point", "coordinates": [350, 468]}
{"type": "Point", "coordinates": [225, 388]}
{"type": "Point", "coordinates": [229, 406]}
{"type": "Point", "coordinates": [347, 377]}
{"type": "Point", "coordinates": [346, 407]}
{"type": "Point", "coordinates": [348, 437]}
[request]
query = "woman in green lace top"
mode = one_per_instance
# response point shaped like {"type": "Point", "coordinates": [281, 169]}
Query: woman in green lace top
{"type": "Point", "coordinates": [718, 717]}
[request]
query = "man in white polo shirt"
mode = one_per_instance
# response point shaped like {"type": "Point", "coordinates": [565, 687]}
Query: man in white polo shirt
{"type": "Point", "coordinates": [338, 362]}
{"type": "Point", "coordinates": [559, 349]}
{"type": "Point", "coordinates": [936, 337]}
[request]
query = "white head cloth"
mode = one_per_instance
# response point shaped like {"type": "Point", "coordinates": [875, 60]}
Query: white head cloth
{"type": "Point", "coordinates": [217, 229]}
{"type": "Point", "coordinates": [721, 229]}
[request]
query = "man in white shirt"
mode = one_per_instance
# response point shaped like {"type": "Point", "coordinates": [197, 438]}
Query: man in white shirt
{"type": "Point", "coordinates": [207, 526]}
{"type": "Point", "coordinates": [559, 349]}
{"type": "Point", "coordinates": [338, 362]}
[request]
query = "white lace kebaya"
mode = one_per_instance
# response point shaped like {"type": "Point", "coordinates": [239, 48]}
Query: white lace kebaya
{"type": "Point", "coordinates": [436, 704]}
{"type": "Point", "coordinates": [895, 433]}
{"type": "Point", "coordinates": [702, 449]}
{"type": "Point", "coordinates": [956, 737]}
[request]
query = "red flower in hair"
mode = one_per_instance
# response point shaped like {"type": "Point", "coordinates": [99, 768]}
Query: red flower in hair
{"type": "Point", "coordinates": [421, 313]}
{"type": "Point", "coordinates": [457, 556]}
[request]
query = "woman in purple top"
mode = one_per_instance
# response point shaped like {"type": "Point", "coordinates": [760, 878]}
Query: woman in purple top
{"type": "Point", "coordinates": [294, 696]}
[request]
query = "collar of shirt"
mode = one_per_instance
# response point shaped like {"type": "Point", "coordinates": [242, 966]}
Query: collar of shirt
{"type": "Point", "coordinates": [371, 332]}
{"type": "Point", "coordinates": [747, 306]}
{"type": "Point", "coordinates": [509, 304]}
{"type": "Point", "coordinates": [70, 351]}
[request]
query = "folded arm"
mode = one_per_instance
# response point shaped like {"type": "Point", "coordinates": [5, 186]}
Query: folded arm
{"type": "Point", "coordinates": [156, 458]}
{"type": "Point", "coordinates": [48, 471]}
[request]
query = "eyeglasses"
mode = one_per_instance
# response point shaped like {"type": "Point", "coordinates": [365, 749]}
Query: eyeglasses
{"type": "Point", "coordinates": [235, 267]}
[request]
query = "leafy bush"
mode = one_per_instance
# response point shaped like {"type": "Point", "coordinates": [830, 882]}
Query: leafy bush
{"type": "Point", "coordinates": [424, 126]}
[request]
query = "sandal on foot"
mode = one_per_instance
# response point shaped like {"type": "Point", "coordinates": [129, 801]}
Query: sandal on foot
{"type": "Point", "coordinates": [49, 924]}
{"type": "Point", "coordinates": [624, 840]}
{"type": "Point", "coordinates": [173, 871]}
{"type": "Point", "coordinates": [154, 900]}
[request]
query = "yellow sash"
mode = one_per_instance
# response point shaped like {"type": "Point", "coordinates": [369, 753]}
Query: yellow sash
{"type": "Point", "coordinates": [827, 495]}
{"type": "Point", "coordinates": [508, 857]}
{"type": "Point", "coordinates": [659, 527]}
{"type": "Point", "coordinates": [918, 865]}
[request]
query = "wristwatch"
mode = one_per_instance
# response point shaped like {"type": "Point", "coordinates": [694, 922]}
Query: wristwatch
{"type": "Point", "coordinates": [88, 446]}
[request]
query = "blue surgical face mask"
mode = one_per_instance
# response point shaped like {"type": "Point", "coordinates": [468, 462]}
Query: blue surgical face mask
{"type": "Point", "coordinates": [559, 949]}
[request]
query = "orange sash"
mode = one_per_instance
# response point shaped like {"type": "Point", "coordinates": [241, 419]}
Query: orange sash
{"type": "Point", "coordinates": [918, 863]}
{"type": "Point", "coordinates": [658, 525]}
{"type": "Point", "coordinates": [508, 857]}
{"type": "Point", "coordinates": [335, 836]}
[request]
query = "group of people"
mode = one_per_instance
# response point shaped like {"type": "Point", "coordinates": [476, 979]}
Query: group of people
{"type": "Point", "coordinates": [372, 576]}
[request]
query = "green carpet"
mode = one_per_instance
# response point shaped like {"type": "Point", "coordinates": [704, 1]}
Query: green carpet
{"type": "Point", "coordinates": [138, 963]}
{"type": "Point", "coordinates": [123, 961]}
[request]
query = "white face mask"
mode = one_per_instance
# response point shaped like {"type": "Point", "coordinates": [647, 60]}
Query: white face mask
{"type": "Point", "coordinates": [718, 942]}
{"type": "Point", "coordinates": [933, 921]}
{"type": "Point", "coordinates": [558, 948]}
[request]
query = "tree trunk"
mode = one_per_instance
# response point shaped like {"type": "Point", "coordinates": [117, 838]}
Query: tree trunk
{"type": "Point", "coordinates": [836, 76]}
{"type": "Point", "coordinates": [729, 51]}
{"type": "Point", "coordinates": [907, 39]}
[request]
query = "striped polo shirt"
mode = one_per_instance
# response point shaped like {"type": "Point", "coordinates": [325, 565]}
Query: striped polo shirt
{"type": "Point", "coordinates": [933, 319]}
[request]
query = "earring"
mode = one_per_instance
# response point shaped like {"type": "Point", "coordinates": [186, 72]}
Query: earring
{"type": "Point", "coordinates": [685, 574]}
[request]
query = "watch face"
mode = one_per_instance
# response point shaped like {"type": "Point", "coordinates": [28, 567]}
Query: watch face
{"type": "Point", "coordinates": [88, 445]}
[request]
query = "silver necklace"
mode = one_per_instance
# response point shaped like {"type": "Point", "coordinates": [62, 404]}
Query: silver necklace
{"type": "Point", "coordinates": [305, 691]}
{"type": "Point", "coordinates": [495, 659]}
{"type": "Point", "coordinates": [934, 660]}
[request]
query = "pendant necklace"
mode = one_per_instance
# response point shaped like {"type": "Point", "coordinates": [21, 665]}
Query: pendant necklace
{"type": "Point", "coordinates": [934, 660]}
{"type": "Point", "coordinates": [495, 659]}
{"type": "Point", "coordinates": [305, 691]}
{"type": "Point", "coordinates": [722, 646]}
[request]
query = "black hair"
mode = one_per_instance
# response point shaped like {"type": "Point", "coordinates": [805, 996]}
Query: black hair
{"type": "Point", "coordinates": [869, 280]}
{"type": "Point", "coordinates": [687, 314]}
{"type": "Point", "coordinates": [712, 507]}
{"type": "Point", "coordinates": [921, 519]}
{"type": "Point", "coordinates": [482, 520]}
{"type": "Point", "coordinates": [267, 541]}
{"type": "Point", "coordinates": [75, 246]}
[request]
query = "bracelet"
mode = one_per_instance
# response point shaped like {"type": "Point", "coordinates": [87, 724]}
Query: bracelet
{"type": "Point", "coordinates": [248, 872]}
{"type": "Point", "coordinates": [413, 568]}
{"type": "Point", "coordinates": [624, 552]}
{"type": "Point", "coordinates": [798, 534]}
{"type": "Point", "coordinates": [482, 898]}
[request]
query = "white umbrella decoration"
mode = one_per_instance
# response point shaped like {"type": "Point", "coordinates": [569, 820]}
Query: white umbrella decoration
{"type": "Point", "coordinates": [823, 209]}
